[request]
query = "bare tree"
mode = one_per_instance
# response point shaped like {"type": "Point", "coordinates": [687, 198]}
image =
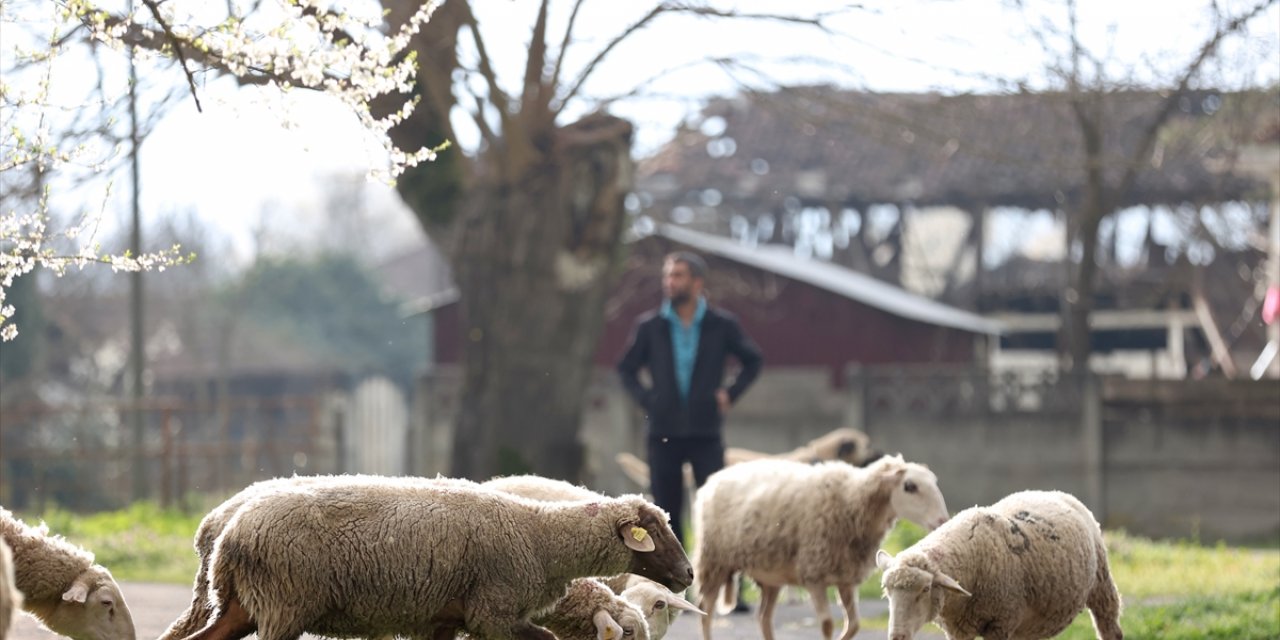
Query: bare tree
{"type": "Point", "coordinates": [1110, 174]}
{"type": "Point", "coordinates": [532, 219]}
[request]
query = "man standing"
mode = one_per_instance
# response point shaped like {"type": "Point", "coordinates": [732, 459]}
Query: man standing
{"type": "Point", "coordinates": [685, 345]}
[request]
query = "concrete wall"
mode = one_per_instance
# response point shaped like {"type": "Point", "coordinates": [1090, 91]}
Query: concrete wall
{"type": "Point", "coordinates": [1159, 458]}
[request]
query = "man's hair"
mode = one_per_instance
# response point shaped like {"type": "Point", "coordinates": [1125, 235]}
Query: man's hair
{"type": "Point", "coordinates": [697, 266]}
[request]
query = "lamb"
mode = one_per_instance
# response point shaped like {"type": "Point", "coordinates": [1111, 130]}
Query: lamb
{"type": "Point", "coordinates": [62, 587]}
{"type": "Point", "coordinates": [788, 523]}
{"type": "Point", "coordinates": [659, 605]}
{"type": "Point", "coordinates": [849, 445]}
{"type": "Point", "coordinates": [421, 558]}
{"type": "Point", "coordinates": [1022, 568]}
{"type": "Point", "coordinates": [10, 597]}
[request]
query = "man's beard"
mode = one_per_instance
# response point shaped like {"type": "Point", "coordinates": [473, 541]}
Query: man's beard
{"type": "Point", "coordinates": [677, 298]}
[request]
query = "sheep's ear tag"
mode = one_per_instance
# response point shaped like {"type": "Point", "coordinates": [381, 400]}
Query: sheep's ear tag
{"type": "Point", "coordinates": [638, 538]}
{"type": "Point", "coordinates": [79, 592]}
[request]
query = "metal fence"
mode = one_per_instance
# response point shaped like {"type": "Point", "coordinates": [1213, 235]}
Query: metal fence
{"type": "Point", "coordinates": [104, 453]}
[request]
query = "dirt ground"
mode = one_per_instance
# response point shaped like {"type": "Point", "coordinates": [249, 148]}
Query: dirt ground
{"type": "Point", "coordinates": [154, 606]}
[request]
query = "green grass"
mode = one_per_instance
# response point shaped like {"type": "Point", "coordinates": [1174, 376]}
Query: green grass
{"type": "Point", "coordinates": [141, 543]}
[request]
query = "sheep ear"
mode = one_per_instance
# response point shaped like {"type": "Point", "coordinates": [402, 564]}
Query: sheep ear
{"type": "Point", "coordinates": [894, 476]}
{"type": "Point", "coordinates": [947, 582]}
{"type": "Point", "coordinates": [636, 538]}
{"type": "Point", "coordinates": [684, 605]}
{"type": "Point", "coordinates": [883, 559]}
{"type": "Point", "coordinates": [606, 627]}
{"type": "Point", "coordinates": [79, 591]}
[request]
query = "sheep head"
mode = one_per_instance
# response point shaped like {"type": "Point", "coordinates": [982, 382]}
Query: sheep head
{"type": "Point", "coordinates": [93, 608]}
{"type": "Point", "coordinates": [914, 492]}
{"type": "Point", "coordinates": [656, 553]}
{"type": "Point", "coordinates": [659, 605]}
{"type": "Point", "coordinates": [915, 590]}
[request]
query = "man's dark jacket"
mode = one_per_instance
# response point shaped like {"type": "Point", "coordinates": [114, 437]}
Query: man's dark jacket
{"type": "Point", "coordinates": [719, 337]}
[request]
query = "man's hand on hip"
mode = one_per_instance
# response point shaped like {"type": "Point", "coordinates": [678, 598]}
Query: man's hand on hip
{"type": "Point", "coordinates": [722, 399]}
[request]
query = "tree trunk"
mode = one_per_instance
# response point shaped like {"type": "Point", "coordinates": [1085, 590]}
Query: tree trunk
{"type": "Point", "coordinates": [535, 259]}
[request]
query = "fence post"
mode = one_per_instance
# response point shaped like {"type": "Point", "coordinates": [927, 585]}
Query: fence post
{"type": "Point", "coordinates": [166, 458]}
{"type": "Point", "coordinates": [855, 408]}
{"type": "Point", "coordinates": [1094, 443]}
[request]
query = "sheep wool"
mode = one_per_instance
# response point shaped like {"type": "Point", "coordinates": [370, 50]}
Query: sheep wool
{"type": "Point", "coordinates": [788, 523]}
{"type": "Point", "coordinates": [400, 556]}
{"type": "Point", "coordinates": [1022, 568]}
{"type": "Point", "coordinates": [10, 597]}
{"type": "Point", "coordinates": [61, 585]}
{"type": "Point", "coordinates": [590, 611]}
{"type": "Point", "coordinates": [197, 615]}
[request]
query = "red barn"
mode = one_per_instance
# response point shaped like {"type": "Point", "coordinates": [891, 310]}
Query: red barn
{"type": "Point", "coordinates": [802, 312]}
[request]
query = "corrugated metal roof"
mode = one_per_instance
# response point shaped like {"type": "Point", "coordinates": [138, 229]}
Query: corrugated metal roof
{"type": "Point", "coordinates": [782, 261]}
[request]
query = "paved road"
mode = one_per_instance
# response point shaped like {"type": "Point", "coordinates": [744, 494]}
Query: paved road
{"type": "Point", "coordinates": [154, 606]}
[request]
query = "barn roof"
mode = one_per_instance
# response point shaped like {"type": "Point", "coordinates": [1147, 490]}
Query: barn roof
{"type": "Point", "coordinates": [823, 146]}
{"type": "Point", "coordinates": [783, 261]}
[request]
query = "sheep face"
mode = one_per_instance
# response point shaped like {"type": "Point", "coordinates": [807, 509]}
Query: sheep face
{"type": "Point", "coordinates": [915, 595]}
{"type": "Point", "coordinates": [93, 608]}
{"type": "Point", "coordinates": [659, 605]}
{"type": "Point", "coordinates": [633, 625]}
{"type": "Point", "coordinates": [916, 496]}
{"type": "Point", "coordinates": [655, 552]}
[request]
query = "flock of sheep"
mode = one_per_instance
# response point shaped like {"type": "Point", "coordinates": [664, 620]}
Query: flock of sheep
{"type": "Point", "coordinates": [531, 558]}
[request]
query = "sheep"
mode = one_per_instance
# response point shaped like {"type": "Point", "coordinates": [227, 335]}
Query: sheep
{"type": "Point", "coordinates": [10, 597]}
{"type": "Point", "coordinates": [849, 445]}
{"type": "Point", "coordinates": [659, 605]}
{"type": "Point", "coordinates": [62, 586]}
{"type": "Point", "coordinates": [1022, 568]}
{"type": "Point", "coordinates": [788, 523]}
{"type": "Point", "coordinates": [421, 558]}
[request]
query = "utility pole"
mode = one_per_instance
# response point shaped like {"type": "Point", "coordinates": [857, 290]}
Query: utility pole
{"type": "Point", "coordinates": [137, 351]}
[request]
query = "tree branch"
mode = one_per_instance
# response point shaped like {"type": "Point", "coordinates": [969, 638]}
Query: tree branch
{"type": "Point", "coordinates": [533, 101]}
{"type": "Point", "coordinates": [496, 95]}
{"type": "Point", "coordinates": [586, 72]}
{"type": "Point", "coordinates": [564, 44]}
{"type": "Point", "coordinates": [177, 50]}
{"type": "Point", "coordinates": [1147, 141]}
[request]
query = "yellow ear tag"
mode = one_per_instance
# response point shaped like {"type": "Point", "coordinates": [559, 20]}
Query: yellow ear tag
{"type": "Point", "coordinates": [608, 633]}
{"type": "Point", "coordinates": [639, 533]}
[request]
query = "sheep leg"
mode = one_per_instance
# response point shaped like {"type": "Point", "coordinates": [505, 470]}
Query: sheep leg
{"type": "Point", "coordinates": [526, 630]}
{"type": "Point", "coordinates": [1104, 604]}
{"type": "Point", "coordinates": [768, 601]}
{"type": "Point", "coordinates": [818, 594]}
{"type": "Point", "coordinates": [232, 623]}
{"type": "Point", "coordinates": [849, 598]}
{"type": "Point", "coordinates": [712, 582]}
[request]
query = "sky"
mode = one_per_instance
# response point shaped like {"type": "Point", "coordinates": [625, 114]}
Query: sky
{"type": "Point", "coordinates": [237, 156]}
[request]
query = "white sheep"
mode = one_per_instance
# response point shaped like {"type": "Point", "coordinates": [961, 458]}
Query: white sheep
{"type": "Point", "coordinates": [659, 605]}
{"type": "Point", "coordinates": [62, 587]}
{"type": "Point", "coordinates": [849, 445]}
{"type": "Point", "coordinates": [788, 523]}
{"type": "Point", "coordinates": [1022, 568]}
{"type": "Point", "coordinates": [10, 597]}
{"type": "Point", "coordinates": [421, 558]}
